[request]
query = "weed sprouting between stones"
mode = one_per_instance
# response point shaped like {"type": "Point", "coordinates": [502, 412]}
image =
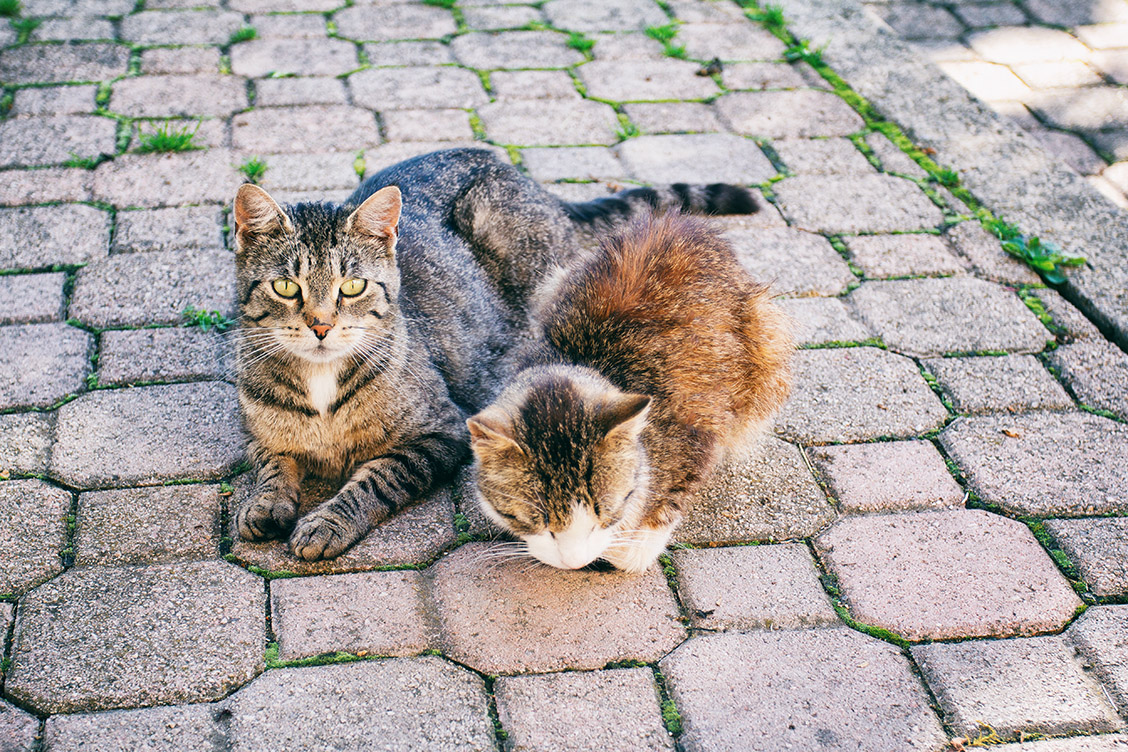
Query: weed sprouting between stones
{"type": "Point", "coordinates": [207, 320]}
{"type": "Point", "coordinates": [360, 164]}
{"type": "Point", "coordinates": [24, 27]}
{"type": "Point", "coordinates": [448, 4]}
{"type": "Point", "coordinates": [626, 129]}
{"type": "Point", "coordinates": [169, 138]}
{"type": "Point", "coordinates": [253, 169]}
{"type": "Point", "coordinates": [10, 8]}
{"type": "Point", "coordinates": [243, 34]}
{"type": "Point", "coordinates": [577, 41]}
{"type": "Point", "coordinates": [665, 35]}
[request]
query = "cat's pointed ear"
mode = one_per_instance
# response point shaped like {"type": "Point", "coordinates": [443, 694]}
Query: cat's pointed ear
{"type": "Point", "coordinates": [491, 429]}
{"type": "Point", "coordinates": [378, 216]}
{"type": "Point", "coordinates": [256, 213]}
{"type": "Point", "coordinates": [625, 417]}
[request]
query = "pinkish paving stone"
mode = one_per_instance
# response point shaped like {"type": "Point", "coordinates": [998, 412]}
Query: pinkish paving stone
{"type": "Point", "coordinates": [488, 608]}
{"type": "Point", "coordinates": [500, 17]}
{"type": "Point", "coordinates": [133, 356]}
{"type": "Point", "coordinates": [150, 180]}
{"type": "Point", "coordinates": [1097, 372]}
{"type": "Point", "coordinates": [982, 249]}
{"type": "Point", "coordinates": [31, 298]}
{"type": "Point", "coordinates": [73, 29]}
{"type": "Point", "coordinates": [18, 728]}
{"type": "Point", "coordinates": [856, 203]}
{"type": "Point", "coordinates": [41, 364]}
{"type": "Point", "coordinates": [35, 63]}
{"type": "Point", "coordinates": [794, 262]}
{"type": "Point", "coordinates": [752, 587]}
{"type": "Point", "coordinates": [911, 573]}
{"type": "Point", "coordinates": [575, 163]}
{"type": "Point", "coordinates": [890, 476]}
{"type": "Point", "coordinates": [1069, 322]}
{"type": "Point", "coordinates": [549, 122]}
{"type": "Point", "coordinates": [610, 15]}
{"type": "Point", "coordinates": [823, 321]}
{"type": "Point", "coordinates": [180, 60]}
{"type": "Point", "coordinates": [25, 440]}
{"type": "Point", "coordinates": [627, 46]}
{"type": "Point", "coordinates": [1099, 549]}
{"type": "Point", "coordinates": [180, 27]}
{"type": "Point", "coordinates": [1043, 464]}
{"type": "Point", "coordinates": [55, 100]}
{"type": "Point", "coordinates": [728, 41]}
{"type": "Point", "coordinates": [514, 49]}
{"type": "Point", "coordinates": [1016, 687]}
{"type": "Point", "coordinates": [830, 156]}
{"type": "Point", "coordinates": [168, 229]}
{"type": "Point", "coordinates": [290, 26]}
{"type": "Point", "coordinates": [309, 172]}
{"type": "Point", "coordinates": [416, 88]}
{"type": "Point", "coordinates": [695, 158]}
{"type": "Point", "coordinates": [639, 81]}
{"type": "Point", "coordinates": [298, 129]}
{"type": "Point", "coordinates": [788, 114]}
{"type": "Point", "coordinates": [408, 53]}
{"type": "Point", "coordinates": [282, 92]}
{"type": "Point", "coordinates": [53, 184]}
{"type": "Point", "coordinates": [884, 256]}
{"type": "Point", "coordinates": [34, 533]}
{"type": "Point", "coordinates": [759, 76]}
{"type": "Point", "coordinates": [373, 613]}
{"type": "Point", "coordinates": [892, 158]}
{"type": "Point", "coordinates": [691, 11]}
{"type": "Point", "coordinates": [54, 139]}
{"type": "Point", "coordinates": [383, 23]}
{"type": "Point", "coordinates": [427, 125]}
{"type": "Point", "coordinates": [284, 6]}
{"type": "Point", "coordinates": [306, 57]}
{"type": "Point", "coordinates": [172, 728]}
{"type": "Point", "coordinates": [825, 689]}
{"type": "Point", "coordinates": [673, 117]}
{"type": "Point", "coordinates": [1100, 637]}
{"type": "Point", "coordinates": [179, 96]}
{"type": "Point", "coordinates": [598, 711]}
{"type": "Point", "coordinates": [533, 84]}
{"type": "Point", "coordinates": [1011, 382]}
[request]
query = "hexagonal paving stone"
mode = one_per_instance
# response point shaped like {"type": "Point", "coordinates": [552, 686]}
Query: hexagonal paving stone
{"type": "Point", "coordinates": [283, 92]}
{"type": "Point", "coordinates": [599, 711]}
{"type": "Point", "coordinates": [673, 117]}
{"type": "Point", "coordinates": [1097, 372]}
{"type": "Point", "coordinates": [1099, 549]}
{"type": "Point", "coordinates": [173, 728]}
{"type": "Point", "coordinates": [427, 125]}
{"type": "Point", "coordinates": [416, 88]}
{"type": "Point", "coordinates": [378, 613]}
{"type": "Point", "coordinates": [408, 53]}
{"type": "Point", "coordinates": [824, 156]}
{"type": "Point", "coordinates": [25, 440]}
{"type": "Point", "coordinates": [45, 63]}
{"type": "Point", "coordinates": [1100, 637]}
{"type": "Point", "coordinates": [168, 179]}
{"type": "Point", "coordinates": [34, 533]}
{"type": "Point", "coordinates": [304, 57]}
{"type": "Point", "coordinates": [788, 114]}
{"type": "Point", "coordinates": [180, 60]}
{"type": "Point", "coordinates": [823, 321]}
{"type": "Point", "coordinates": [770, 495]}
{"type": "Point", "coordinates": [395, 21]}
{"type": "Point", "coordinates": [582, 162]}
{"type": "Point", "coordinates": [488, 609]}
{"type": "Point", "coordinates": [1011, 383]}
{"type": "Point", "coordinates": [103, 637]}
{"type": "Point", "coordinates": [1032, 686]}
{"type": "Point", "coordinates": [42, 363]}
{"type": "Point", "coordinates": [610, 15]}
{"type": "Point", "coordinates": [17, 728]}
{"type": "Point", "coordinates": [169, 354]}
{"type": "Point", "coordinates": [912, 573]}
{"type": "Point", "coordinates": [169, 229]}
{"type": "Point", "coordinates": [729, 41]}
{"type": "Point", "coordinates": [794, 262]}
{"type": "Point", "coordinates": [931, 317]}
{"type": "Point", "coordinates": [639, 81]}
{"type": "Point", "coordinates": [752, 587]}
{"type": "Point", "coordinates": [55, 138]}
{"type": "Point", "coordinates": [857, 394]}
{"type": "Point", "coordinates": [514, 49]}
{"type": "Point", "coordinates": [533, 84]}
{"type": "Point", "coordinates": [314, 128]}
{"type": "Point", "coordinates": [882, 256]}
{"type": "Point", "coordinates": [1043, 464]}
{"type": "Point", "coordinates": [31, 298]}
{"type": "Point", "coordinates": [179, 96]}
{"type": "Point", "coordinates": [986, 256]}
{"type": "Point", "coordinates": [120, 437]}
{"type": "Point", "coordinates": [18, 187]}
{"type": "Point", "coordinates": [311, 172]}
{"type": "Point", "coordinates": [180, 27]}
{"type": "Point", "coordinates": [402, 703]}
{"type": "Point", "coordinates": [827, 689]}
{"type": "Point", "coordinates": [549, 122]}
{"type": "Point", "coordinates": [699, 158]}
{"type": "Point", "coordinates": [856, 203]}
{"type": "Point", "coordinates": [887, 476]}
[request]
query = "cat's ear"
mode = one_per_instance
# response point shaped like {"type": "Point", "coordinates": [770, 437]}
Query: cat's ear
{"type": "Point", "coordinates": [256, 213]}
{"type": "Point", "coordinates": [491, 429]}
{"type": "Point", "coordinates": [378, 216]}
{"type": "Point", "coordinates": [625, 417]}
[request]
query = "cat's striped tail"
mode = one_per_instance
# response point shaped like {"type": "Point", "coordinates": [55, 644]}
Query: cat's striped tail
{"type": "Point", "coordinates": [611, 211]}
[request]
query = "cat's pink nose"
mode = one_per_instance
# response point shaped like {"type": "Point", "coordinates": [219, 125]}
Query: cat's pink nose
{"type": "Point", "coordinates": [320, 329]}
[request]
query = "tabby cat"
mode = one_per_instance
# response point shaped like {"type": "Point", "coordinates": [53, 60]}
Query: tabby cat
{"type": "Point", "coordinates": [370, 329]}
{"type": "Point", "coordinates": [656, 356]}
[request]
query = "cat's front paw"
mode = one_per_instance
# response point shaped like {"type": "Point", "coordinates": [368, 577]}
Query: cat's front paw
{"type": "Point", "coordinates": [322, 534]}
{"type": "Point", "coordinates": [639, 553]}
{"type": "Point", "coordinates": [266, 516]}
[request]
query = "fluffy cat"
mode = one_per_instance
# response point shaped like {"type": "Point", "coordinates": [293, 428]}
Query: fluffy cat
{"type": "Point", "coordinates": [657, 355]}
{"type": "Point", "coordinates": [370, 329]}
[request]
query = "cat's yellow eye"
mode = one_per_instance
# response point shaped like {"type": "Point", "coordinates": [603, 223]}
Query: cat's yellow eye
{"type": "Point", "coordinates": [353, 287]}
{"type": "Point", "coordinates": [287, 288]}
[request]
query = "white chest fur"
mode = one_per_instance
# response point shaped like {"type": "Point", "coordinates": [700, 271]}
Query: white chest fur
{"type": "Point", "coordinates": [321, 386]}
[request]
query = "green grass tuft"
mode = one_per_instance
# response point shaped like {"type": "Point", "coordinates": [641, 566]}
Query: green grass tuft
{"type": "Point", "coordinates": [579, 42]}
{"type": "Point", "coordinates": [10, 8]}
{"type": "Point", "coordinates": [802, 50]}
{"type": "Point", "coordinates": [448, 4]}
{"type": "Point", "coordinates": [770, 15]}
{"type": "Point", "coordinates": [24, 26]}
{"type": "Point", "coordinates": [243, 34]}
{"type": "Point", "coordinates": [663, 34]}
{"type": "Point", "coordinates": [169, 138]}
{"type": "Point", "coordinates": [207, 320]}
{"type": "Point", "coordinates": [627, 129]}
{"type": "Point", "coordinates": [254, 168]}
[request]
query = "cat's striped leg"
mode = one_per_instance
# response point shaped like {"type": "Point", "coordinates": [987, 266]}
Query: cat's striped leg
{"type": "Point", "coordinates": [272, 508]}
{"type": "Point", "coordinates": [378, 489]}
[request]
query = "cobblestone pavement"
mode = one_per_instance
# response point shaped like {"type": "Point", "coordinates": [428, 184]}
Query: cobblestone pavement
{"type": "Point", "coordinates": [940, 519]}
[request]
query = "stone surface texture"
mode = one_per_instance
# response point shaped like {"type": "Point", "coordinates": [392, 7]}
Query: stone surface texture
{"type": "Point", "coordinates": [887, 477]}
{"type": "Point", "coordinates": [1099, 549]}
{"type": "Point", "coordinates": [34, 533]}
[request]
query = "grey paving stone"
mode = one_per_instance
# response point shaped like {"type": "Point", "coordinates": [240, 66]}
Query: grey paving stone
{"type": "Point", "coordinates": [305, 57]}
{"type": "Point", "coordinates": [857, 394]}
{"type": "Point", "coordinates": [309, 172]}
{"type": "Point", "coordinates": [184, 728]}
{"type": "Point", "coordinates": [930, 317]}
{"type": "Point", "coordinates": [501, 17]}
{"type": "Point", "coordinates": [912, 21]}
{"type": "Point", "coordinates": [514, 49]}
{"type": "Point", "coordinates": [147, 525]}
{"type": "Point", "coordinates": [51, 184]}
{"type": "Point", "coordinates": [34, 535]}
{"type": "Point", "coordinates": [55, 100]}
{"type": "Point", "coordinates": [831, 156]}
{"type": "Point", "coordinates": [884, 256]}
{"type": "Point", "coordinates": [169, 229]}
{"type": "Point", "coordinates": [1099, 743]}
{"type": "Point", "coordinates": [695, 158]}
{"type": "Point", "coordinates": [416, 88]}
{"type": "Point", "coordinates": [1081, 109]}
{"type": "Point", "coordinates": [1097, 372]}
{"type": "Point", "coordinates": [19, 729]}
{"type": "Point", "coordinates": [1025, 686]}
{"type": "Point", "coordinates": [691, 11]}
{"type": "Point", "coordinates": [298, 129]}
{"type": "Point", "coordinates": [911, 574]}
{"type": "Point", "coordinates": [832, 689]}
{"type": "Point", "coordinates": [892, 158]}
{"type": "Point", "coordinates": [889, 476]}
{"type": "Point", "coordinates": [47, 63]}
{"type": "Point", "coordinates": [42, 363]}
{"type": "Point", "coordinates": [769, 495]}
{"type": "Point", "coordinates": [752, 587]}
{"type": "Point", "coordinates": [77, 7]}
{"type": "Point", "coordinates": [488, 608]}
{"type": "Point", "coordinates": [148, 435]}
{"type": "Point", "coordinates": [759, 76]}
{"type": "Point", "coordinates": [730, 40]}
{"type": "Point", "coordinates": [1099, 549]}
{"type": "Point", "coordinates": [373, 613]}
{"type": "Point", "coordinates": [1043, 464]}
{"type": "Point", "coordinates": [599, 711]}
{"type": "Point", "coordinates": [1102, 36]}
{"type": "Point", "coordinates": [550, 121]}
{"type": "Point", "coordinates": [427, 125]}
{"type": "Point", "coordinates": [71, 29]}
{"type": "Point", "coordinates": [150, 180]}
{"type": "Point", "coordinates": [580, 162]}
{"type": "Point", "coordinates": [290, 26]}
{"type": "Point", "coordinates": [153, 288]}
{"type": "Point", "coordinates": [1099, 636]}
{"type": "Point", "coordinates": [284, 6]}
{"type": "Point", "coordinates": [1113, 64]}
{"type": "Point", "coordinates": [97, 638]}
{"type": "Point", "coordinates": [135, 356]}
{"type": "Point", "coordinates": [31, 298]}
{"type": "Point", "coordinates": [611, 15]}
{"type": "Point", "coordinates": [180, 27]}
{"type": "Point", "coordinates": [282, 92]}
{"type": "Point", "coordinates": [25, 441]}
{"type": "Point", "coordinates": [180, 60]}
{"type": "Point", "coordinates": [382, 23]}
{"type": "Point", "coordinates": [54, 139]}
{"type": "Point", "coordinates": [1011, 383]}
{"type": "Point", "coordinates": [1070, 323]}
{"type": "Point", "coordinates": [1115, 142]}
{"type": "Point", "coordinates": [408, 53]}
{"type": "Point", "coordinates": [533, 84]}
{"type": "Point", "coordinates": [788, 114]}
{"type": "Point", "coordinates": [856, 203]}
{"type": "Point", "coordinates": [642, 80]}
{"type": "Point", "coordinates": [402, 703]}
{"type": "Point", "coordinates": [794, 262]}
{"type": "Point", "coordinates": [627, 46]}
{"type": "Point", "coordinates": [822, 321]}
{"type": "Point", "coordinates": [673, 117]}
{"type": "Point", "coordinates": [987, 257]}
{"type": "Point", "coordinates": [179, 96]}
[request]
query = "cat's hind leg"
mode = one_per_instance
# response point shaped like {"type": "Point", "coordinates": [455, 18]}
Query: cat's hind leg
{"type": "Point", "coordinates": [273, 506]}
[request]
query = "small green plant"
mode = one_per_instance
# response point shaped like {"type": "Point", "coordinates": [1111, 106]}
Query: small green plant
{"type": "Point", "coordinates": [770, 15]}
{"type": "Point", "coordinates": [6, 102]}
{"type": "Point", "coordinates": [10, 8]}
{"type": "Point", "coordinates": [85, 163]}
{"type": "Point", "coordinates": [226, 489]}
{"type": "Point", "coordinates": [627, 129]}
{"type": "Point", "coordinates": [207, 320]}
{"type": "Point", "coordinates": [243, 34]}
{"type": "Point", "coordinates": [663, 34]}
{"type": "Point", "coordinates": [579, 42]}
{"type": "Point", "coordinates": [947, 178]}
{"type": "Point", "coordinates": [448, 4]}
{"type": "Point", "coordinates": [253, 169]}
{"type": "Point", "coordinates": [24, 26]}
{"type": "Point", "coordinates": [360, 164]}
{"type": "Point", "coordinates": [169, 138]}
{"type": "Point", "coordinates": [802, 50]}
{"type": "Point", "coordinates": [671, 718]}
{"type": "Point", "coordinates": [1047, 258]}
